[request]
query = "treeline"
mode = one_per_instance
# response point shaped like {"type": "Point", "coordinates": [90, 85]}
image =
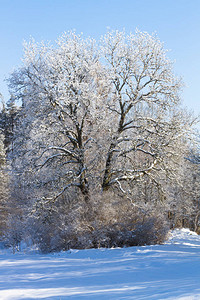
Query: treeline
{"type": "Point", "coordinates": [95, 149]}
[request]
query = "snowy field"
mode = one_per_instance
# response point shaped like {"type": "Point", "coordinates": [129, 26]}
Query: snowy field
{"type": "Point", "coordinates": [170, 271]}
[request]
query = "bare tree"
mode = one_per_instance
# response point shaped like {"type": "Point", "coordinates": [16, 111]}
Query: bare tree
{"type": "Point", "coordinates": [99, 116]}
{"type": "Point", "coordinates": [4, 192]}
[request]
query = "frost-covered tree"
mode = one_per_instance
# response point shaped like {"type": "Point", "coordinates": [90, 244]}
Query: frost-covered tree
{"type": "Point", "coordinates": [74, 94]}
{"type": "Point", "coordinates": [62, 94]}
{"type": "Point", "coordinates": [148, 133]}
{"type": "Point", "coordinates": [3, 187]}
{"type": "Point", "coordinates": [97, 119]}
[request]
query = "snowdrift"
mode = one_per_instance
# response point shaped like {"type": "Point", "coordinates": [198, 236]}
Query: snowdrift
{"type": "Point", "coordinates": [168, 271]}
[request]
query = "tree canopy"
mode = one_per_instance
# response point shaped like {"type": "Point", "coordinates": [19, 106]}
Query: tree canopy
{"type": "Point", "coordinates": [100, 138]}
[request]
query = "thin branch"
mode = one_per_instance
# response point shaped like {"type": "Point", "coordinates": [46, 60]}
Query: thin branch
{"type": "Point", "coordinates": [50, 158]}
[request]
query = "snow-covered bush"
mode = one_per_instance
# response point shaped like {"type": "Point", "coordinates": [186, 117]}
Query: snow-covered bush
{"type": "Point", "coordinates": [58, 230]}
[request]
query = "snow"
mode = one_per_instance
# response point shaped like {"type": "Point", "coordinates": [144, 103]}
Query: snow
{"type": "Point", "coordinates": [169, 271]}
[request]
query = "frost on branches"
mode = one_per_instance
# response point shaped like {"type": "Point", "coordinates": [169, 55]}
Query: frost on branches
{"type": "Point", "coordinates": [98, 117]}
{"type": "Point", "coordinates": [3, 187]}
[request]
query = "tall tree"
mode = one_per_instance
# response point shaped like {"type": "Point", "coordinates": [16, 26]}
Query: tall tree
{"type": "Point", "coordinates": [3, 187]}
{"type": "Point", "coordinates": [99, 117]}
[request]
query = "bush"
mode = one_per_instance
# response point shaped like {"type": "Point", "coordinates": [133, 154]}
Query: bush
{"type": "Point", "coordinates": [106, 225]}
{"type": "Point", "coordinates": [151, 231]}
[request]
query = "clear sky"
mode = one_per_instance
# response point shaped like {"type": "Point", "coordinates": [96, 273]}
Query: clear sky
{"type": "Point", "coordinates": [177, 23]}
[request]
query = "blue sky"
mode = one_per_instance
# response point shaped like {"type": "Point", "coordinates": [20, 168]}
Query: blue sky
{"type": "Point", "coordinates": [177, 23]}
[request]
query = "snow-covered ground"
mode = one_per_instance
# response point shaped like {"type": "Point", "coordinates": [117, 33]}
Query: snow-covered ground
{"type": "Point", "coordinates": [170, 271]}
